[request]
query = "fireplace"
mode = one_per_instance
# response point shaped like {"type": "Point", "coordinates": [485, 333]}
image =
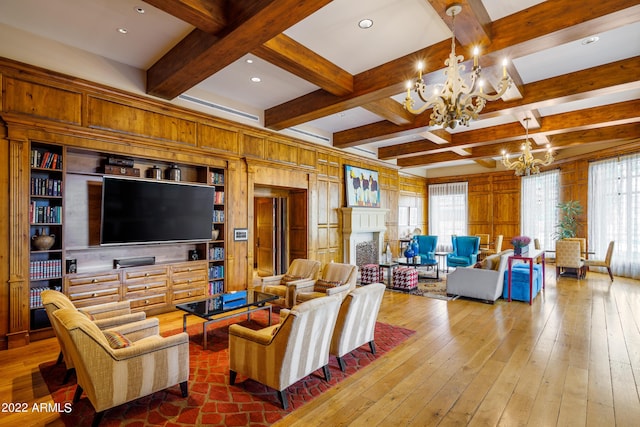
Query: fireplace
{"type": "Point", "coordinates": [363, 225]}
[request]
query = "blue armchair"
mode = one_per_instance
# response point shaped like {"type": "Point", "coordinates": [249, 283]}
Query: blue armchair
{"type": "Point", "coordinates": [465, 251]}
{"type": "Point", "coordinates": [427, 247]}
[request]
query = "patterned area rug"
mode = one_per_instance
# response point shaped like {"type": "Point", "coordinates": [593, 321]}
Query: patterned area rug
{"type": "Point", "coordinates": [212, 401]}
{"type": "Point", "coordinates": [429, 286]}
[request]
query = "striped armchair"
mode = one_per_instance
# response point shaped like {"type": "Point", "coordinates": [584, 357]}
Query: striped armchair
{"type": "Point", "coordinates": [105, 316]}
{"type": "Point", "coordinates": [280, 355]}
{"type": "Point", "coordinates": [336, 278]}
{"type": "Point", "coordinates": [283, 285]}
{"type": "Point", "coordinates": [112, 370]}
{"type": "Point", "coordinates": [357, 321]}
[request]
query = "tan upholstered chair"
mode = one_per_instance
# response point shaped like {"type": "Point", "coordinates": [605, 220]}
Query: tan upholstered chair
{"type": "Point", "coordinates": [568, 256]}
{"type": "Point", "coordinates": [484, 246]}
{"type": "Point", "coordinates": [357, 321]}
{"type": "Point", "coordinates": [279, 356]}
{"type": "Point", "coordinates": [105, 316]}
{"type": "Point", "coordinates": [497, 247]}
{"type": "Point", "coordinates": [279, 285]}
{"type": "Point", "coordinates": [335, 279]}
{"type": "Point", "coordinates": [112, 370]}
{"type": "Point", "coordinates": [606, 262]}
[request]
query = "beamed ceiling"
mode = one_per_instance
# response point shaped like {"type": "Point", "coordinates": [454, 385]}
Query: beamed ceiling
{"type": "Point", "coordinates": [335, 84]}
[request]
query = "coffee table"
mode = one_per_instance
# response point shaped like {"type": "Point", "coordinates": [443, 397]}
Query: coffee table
{"type": "Point", "coordinates": [225, 306]}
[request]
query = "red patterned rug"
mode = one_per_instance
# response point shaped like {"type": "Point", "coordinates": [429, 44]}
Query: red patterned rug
{"type": "Point", "coordinates": [212, 401]}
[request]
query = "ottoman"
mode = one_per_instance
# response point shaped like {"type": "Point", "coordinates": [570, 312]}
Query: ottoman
{"type": "Point", "coordinates": [370, 273]}
{"type": "Point", "coordinates": [405, 278]}
{"type": "Point", "coordinates": [520, 286]}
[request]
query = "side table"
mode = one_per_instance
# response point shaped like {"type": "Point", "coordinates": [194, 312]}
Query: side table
{"type": "Point", "coordinates": [390, 266]}
{"type": "Point", "coordinates": [442, 260]}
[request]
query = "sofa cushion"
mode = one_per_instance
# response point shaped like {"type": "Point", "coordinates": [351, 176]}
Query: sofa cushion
{"type": "Point", "coordinates": [491, 262]}
{"type": "Point", "coordinates": [116, 339]}
{"type": "Point", "coordinates": [322, 285]}
{"type": "Point", "coordinates": [290, 278]}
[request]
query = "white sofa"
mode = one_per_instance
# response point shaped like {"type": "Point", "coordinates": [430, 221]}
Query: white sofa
{"type": "Point", "coordinates": [480, 283]}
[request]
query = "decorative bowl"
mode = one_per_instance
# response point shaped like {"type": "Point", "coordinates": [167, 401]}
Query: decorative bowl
{"type": "Point", "coordinates": [43, 242]}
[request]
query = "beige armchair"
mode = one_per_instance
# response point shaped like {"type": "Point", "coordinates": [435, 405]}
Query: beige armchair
{"type": "Point", "coordinates": [279, 356]}
{"type": "Point", "coordinates": [497, 247]}
{"type": "Point", "coordinates": [113, 370]}
{"type": "Point", "coordinates": [568, 256]}
{"type": "Point", "coordinates": [280, 285]}
{"type": "Point", "coordinates": [105, 316]}
{"type": "Point", "coordinates": [606, 262]}
{"type": "Point", "coordinates": [357, 321]}
{"type": "Point", "coordinates": [335, 279]}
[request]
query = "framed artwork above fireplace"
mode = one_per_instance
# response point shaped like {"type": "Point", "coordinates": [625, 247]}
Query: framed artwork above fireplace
{"type": "Point", "coordinates": [362, 187]}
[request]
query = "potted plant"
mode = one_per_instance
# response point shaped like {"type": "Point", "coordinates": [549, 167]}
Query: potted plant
{"type": "Point", "coordinates": [568, 225]}
{"type": "Point", "coordinates": [520, 244]}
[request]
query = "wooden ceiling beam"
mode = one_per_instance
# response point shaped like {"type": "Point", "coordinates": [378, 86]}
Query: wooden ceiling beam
{"type": "Point", "coordinates": [200, 54]}
{"type": "Point", "coordinates": [390, 110]}
{"type": "Point", "coordinates": [472, 24]}
{"type": "Point", "coordinates": [286, 53]}
{"type": "Point", "coordinates": [206, 15]}
{"type": "Point", "coordinates": [608, 78]}
{"type": "Point", "coordinates": [531, 30]}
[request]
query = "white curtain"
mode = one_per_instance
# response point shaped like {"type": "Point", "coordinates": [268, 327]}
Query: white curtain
{"type": "Point", "coordinates": [447, 212]}
{"type": "Point", "coordinates": [539, 207]}
{"type": "Point", "coordinates": [614, 212]}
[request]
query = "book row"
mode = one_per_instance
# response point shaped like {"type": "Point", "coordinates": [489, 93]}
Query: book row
{"type": "Point", "coordinates": [35, 299]}
{"type": "Point", "coordinates": [46, 187]}
{"type": "Point", "coordinates": [216, 272]}
{"type": "Point", "coordinates": [216, 288]}
{"type": "Point", "coordinates": [45, 159]}
{"type": "Point", "coordinates": [217, 178]}
{"type": "Point", "coordinates": [218, 216]}
{"type": "Point", "coordinates": [39, 214]}
{"type": "Point", "coordinates": [216, 254]}
{"type": "Point", "coordinates": [45, 269]}
{"type": "Point", "coordinates": [218, 197]}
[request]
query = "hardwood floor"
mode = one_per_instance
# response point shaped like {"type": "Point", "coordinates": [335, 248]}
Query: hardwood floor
{"type": "Point", "coordinates": [572, 358]}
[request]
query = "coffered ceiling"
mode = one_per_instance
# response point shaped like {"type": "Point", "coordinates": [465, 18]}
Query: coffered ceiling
{"type": "Point", "coordinates": [324, 79]}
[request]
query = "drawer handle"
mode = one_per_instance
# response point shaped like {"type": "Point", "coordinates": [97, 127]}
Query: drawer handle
{"type": "Point", "coordinates": [188, 293]}
{"type": "Point", "coordinates": [94, 295]}
{"type": "Point", "coordinates": [146, 301]}
{"type": "Point", "coordinates": [146, 286]}
{"type": "Point", "coordinates": [189, 269]}
{"type": "Point", "coordinates": [94, 281]}
{"type": "Point", "coordinates": [189, 281]}
{"type": "Point", "coordinates": [146, 274]}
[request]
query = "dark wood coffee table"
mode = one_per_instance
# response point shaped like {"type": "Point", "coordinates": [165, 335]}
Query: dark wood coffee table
{"type": "Point", "coordinates": [225, 306]}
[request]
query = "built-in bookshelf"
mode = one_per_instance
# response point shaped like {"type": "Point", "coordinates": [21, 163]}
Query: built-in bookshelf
{"type": "Point", "coordinates": [216, 248]}
{"type": "Point", "coordinates": [46, 206]}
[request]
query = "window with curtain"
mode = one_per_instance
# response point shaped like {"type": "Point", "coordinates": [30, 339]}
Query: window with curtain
{"type": "Point", "coordinates": [447, 212]}
{"type": "Point", "coordinates": [614, 212]}
{"type": "Point", "coordinates": [539, 207]}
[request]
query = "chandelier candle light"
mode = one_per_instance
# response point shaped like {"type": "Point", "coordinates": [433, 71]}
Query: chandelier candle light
{"type": "Point", "coordinates": [526, 164]}
{"type": "Point", "coordinates": [456, 102]}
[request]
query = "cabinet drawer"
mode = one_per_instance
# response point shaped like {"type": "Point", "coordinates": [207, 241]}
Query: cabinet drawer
{"type": "Point", "coordinates": [186, 294]}
{"type": "Point", "coordinates": [189, 267]}
{"type": "Point", "coordinates": [148, 284]}
{"type": "Point", "coordinates": [83, 295]}
{"type": "Point", "coordinates": [144, 302]}
{"type": "Point", "coordinates": [189, 279]}
{"type": "Point", "coordinates": [92, 279]}
{"type": "Point", "coordinates": [145, 273]}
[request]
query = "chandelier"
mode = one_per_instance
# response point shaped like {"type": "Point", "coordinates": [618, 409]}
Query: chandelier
{"type": "Point", "coordinates": [526, 164]}
{"type": "Point", "coordinates": [455, 102]}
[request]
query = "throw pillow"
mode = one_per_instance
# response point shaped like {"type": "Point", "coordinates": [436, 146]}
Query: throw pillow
{"type": "Point", "coordinates": [86, 313]}
{"type": "Point", "coordinates": [322, 285]}
{"type": "Point", "coordinates": [116, 339]}
{"type": "Point", "coordinates": [290, 278]}
{"type": "Point", "coordinates": [478, 265]}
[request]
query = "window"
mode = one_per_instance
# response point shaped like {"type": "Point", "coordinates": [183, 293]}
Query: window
{"type": "Point", "coordinates": [614, 212]}
{"type": "Point", "coordinates": [410, 208]}
{"type": "Point", "coordinates": [447, 212]}
{"type": "Point", "coordinates": [539, 207]}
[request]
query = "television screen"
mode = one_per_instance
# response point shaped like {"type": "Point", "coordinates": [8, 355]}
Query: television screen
{"type": "Point", "coordinates": [137, 211]}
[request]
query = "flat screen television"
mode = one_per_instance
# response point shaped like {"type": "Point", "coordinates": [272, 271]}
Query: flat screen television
{"type": "Point", "coordinates": [136, 211]}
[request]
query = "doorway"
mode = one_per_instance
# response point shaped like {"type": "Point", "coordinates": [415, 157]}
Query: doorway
{"type": "Point", "coordinates": [280, 236]}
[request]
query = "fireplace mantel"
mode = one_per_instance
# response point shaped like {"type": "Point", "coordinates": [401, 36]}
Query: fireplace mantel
{"type": "Point", "coordinates": [360, 224]}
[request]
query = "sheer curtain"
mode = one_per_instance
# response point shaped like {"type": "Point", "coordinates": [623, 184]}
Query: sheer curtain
{"type": "Point", "coordinates": [539, 207]}
{"type": "Point", "coordinates": [447, 212]}
{"type": "Point", "coordinates": [614, 212]}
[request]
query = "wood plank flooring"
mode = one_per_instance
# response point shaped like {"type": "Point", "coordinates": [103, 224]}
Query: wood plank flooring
{"type": "Point", "coordinates": [570, 359]}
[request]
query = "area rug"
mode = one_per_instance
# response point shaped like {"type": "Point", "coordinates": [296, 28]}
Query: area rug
{"type": "Point", "coordinates": [430, 286]}
{"type": "Point", "coordinates": [212, 401]}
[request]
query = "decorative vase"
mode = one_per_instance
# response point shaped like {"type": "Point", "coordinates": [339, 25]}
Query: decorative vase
{"type": "Point", "coordinates": [43, 242]}
{"type": "Point", "coordinates": [214, 234]}
{"type": "Point", "coordinates": [408, 253]}
{"type": "Point", "coordinates": [415, 247]}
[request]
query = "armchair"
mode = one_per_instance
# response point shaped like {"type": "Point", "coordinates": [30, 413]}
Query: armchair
{"type": "Point", "coordinates": [279, 285]}
{"type": "Point", "coordinates": [357, 321]}
{"type": "Point", "coordinates": [279, 356]}
{"type": "Point", "coordinates": [568, 256]}
{"type": "Point", "coordinates": [336, 279]}
{"type": "Point", "coordinates": [113, 370]}
{"type": "Point", "coordinates": [427, 247]}
{"type": "Point", "coordinates": [105, 316]}
{"type": "Point", "coordinates": [465, 251]}
{"type": "Point", "coordinates": [606, 262]}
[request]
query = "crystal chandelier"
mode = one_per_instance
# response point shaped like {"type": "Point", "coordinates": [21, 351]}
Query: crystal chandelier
{"type": "Point", "coordinates": [526, 164]}
{"type": "Point", "coordinates": [456, 102]}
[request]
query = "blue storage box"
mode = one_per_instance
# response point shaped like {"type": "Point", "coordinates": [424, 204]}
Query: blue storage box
{"type": "Point", "coordinates": [520, 277]}
{"type": "Point", "coordinates": [234, 299]}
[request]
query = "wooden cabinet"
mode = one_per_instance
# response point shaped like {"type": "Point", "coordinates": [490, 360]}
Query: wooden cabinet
{"type": "Point", "coordinates": [45, 226]}
{"type": "Point", "coordinates": [188, 282]}
{"type": "Point", "coordinates": [92, 288]}
{"type": "Point", "coordinates": [145, 287]}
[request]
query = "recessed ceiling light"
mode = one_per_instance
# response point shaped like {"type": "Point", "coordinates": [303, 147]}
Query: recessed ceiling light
{"type": "Point", "coordinates": [249, 61]}
{"type": "Point", "coordinates": [139, 10]}
{"type": "Point", "coordinates": [122, 30]}
{"type": "Point", "coordinates": [365, 23]}
{"type": "Point", "coordinates": [256, 79]}
{"type": "Point", "coordinates": [590, 40]}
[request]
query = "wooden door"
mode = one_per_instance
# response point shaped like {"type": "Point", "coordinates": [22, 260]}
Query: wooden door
{"type": "Point", "coordinates": [265, 233]}
{"type": "Point", "coordinates": [298, 219]}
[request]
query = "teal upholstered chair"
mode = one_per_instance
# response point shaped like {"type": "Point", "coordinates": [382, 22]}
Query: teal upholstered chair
{"type": "Point", "coordinates": [465, 251]}
{"type": "Point", "coordinates": [427, 247]}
